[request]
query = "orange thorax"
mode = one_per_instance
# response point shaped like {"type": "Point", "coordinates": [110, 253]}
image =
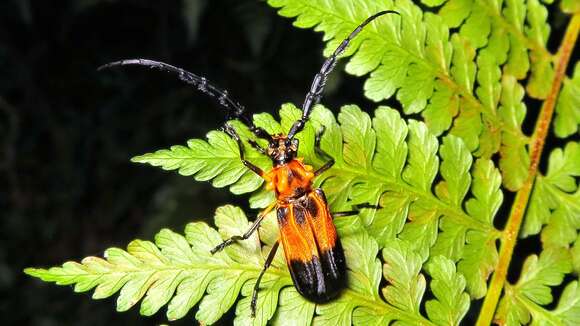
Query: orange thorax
{"type": "Point", "coordinates": [290, 180]}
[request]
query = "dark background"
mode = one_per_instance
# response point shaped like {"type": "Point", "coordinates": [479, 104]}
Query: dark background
{"type": "Point", "coordinates": [67, 132]}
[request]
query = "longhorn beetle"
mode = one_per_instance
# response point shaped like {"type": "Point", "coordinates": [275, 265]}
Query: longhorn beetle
{"type": "Point", "coordinates": [311, 245]}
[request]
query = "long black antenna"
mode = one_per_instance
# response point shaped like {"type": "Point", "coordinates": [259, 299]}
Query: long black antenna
{"type": "Point", "coordinates": [315, 92]}
{"type": "Point", "coordinates": [234, 108]}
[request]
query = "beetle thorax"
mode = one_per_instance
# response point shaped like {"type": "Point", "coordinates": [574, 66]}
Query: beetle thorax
{"type": "Point", "coordinates": [290, 181]}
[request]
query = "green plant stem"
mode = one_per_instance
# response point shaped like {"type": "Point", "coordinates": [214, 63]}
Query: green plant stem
{"type": "Point", "coordinates": [510, 233]}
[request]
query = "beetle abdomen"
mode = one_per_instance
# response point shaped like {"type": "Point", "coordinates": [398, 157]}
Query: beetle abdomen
{"type": "Point", "coordinates": [312, 249]}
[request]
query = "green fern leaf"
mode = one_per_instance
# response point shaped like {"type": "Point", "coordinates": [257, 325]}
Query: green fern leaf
{"type": "Point", "coordinates": [217, 159]}
{"type": "Point", "coordinates": [555, 199]}
{"type": "Point", "coordinates": [538, 32]}
{"type": "Point", "coordinates": [455, 171]}
{"type": "Point", "coordinates": [180, 271]}
{"type": "Point", "coordinates": [539, 274]}
{"type": "Point", "coordinates": [495, 52]}
{"type": "Point", "coordinates": [514, 160]}
{"type": "Point", "coordinates": [451, 303]}
{"type": "Point", "coordinates": [568, 108]}
{"type": "Point", "coordinates": [293, 309]}
{"type": "Point", "coordinates": [570, 6]}
{"type": "Point", "coordinates": [518, 41]}
{"type": "Point", "coordinates": [479, 255]}
{"type": "Point", "coordinates": [402, 271]}
{"type": "Point", "coordinates": [568, 308]}
{"type": "Point", "coordinates": [518, 61]}
{"type": "Point", "coordinates": [575, 251]}
{"type": "Point", "coordinates": [400, 178]}
{"type": "Point", "coordinates": [525, 301]}
{"type": "Point", "coordinates": [402, 183]}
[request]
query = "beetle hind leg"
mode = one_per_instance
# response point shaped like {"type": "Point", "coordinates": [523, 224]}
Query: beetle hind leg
{"type": "Point", "coordinates": [267, 264]}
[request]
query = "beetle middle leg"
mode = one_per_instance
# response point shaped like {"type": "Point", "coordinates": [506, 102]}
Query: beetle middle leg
{"type": "Point", "coordinates": [247, 234]}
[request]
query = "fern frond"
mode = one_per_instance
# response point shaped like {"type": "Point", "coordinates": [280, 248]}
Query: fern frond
{"type": "Point", "coordinates": [513, 34]}
{"type": "Point", "coordinates": [553, 210]}
{"type": "Point", "coordinates": [381, 160]}
{"type": "Point", "coordinates": [451, 303]}
{"type": "Point", "coordinates": [386, 161]}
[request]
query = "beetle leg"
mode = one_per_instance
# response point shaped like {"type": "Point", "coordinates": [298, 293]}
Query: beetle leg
{"type": "Point", "coordinates": [247, 234]}
{"type": "Point", "coordinates": [257, 146]}
{"type": "Point", "coordinates": [322, 153]}
{"type": "Point", "coordinates": [267, 264]}
{"type": "Point", "coordinates": [228, 129]}
{"type": "Point", "coordinates": [356, 210]}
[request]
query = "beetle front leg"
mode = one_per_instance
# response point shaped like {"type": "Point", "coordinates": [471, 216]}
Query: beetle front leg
{"type": "Point", "coordinates": [228, 129]}
{"type": "Point", "coordinates": [322, 153]}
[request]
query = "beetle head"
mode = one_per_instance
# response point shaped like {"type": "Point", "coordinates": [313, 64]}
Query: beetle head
{"type": "Point", "coordinates": [282, 150]}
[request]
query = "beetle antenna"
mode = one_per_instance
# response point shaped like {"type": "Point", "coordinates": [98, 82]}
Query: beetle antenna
{"type": "Point", "coordinates": [315, 92]}
{"type": "Point", "coordinates": [234, 108]}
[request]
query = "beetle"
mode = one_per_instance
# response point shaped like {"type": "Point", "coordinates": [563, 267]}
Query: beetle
{"type": "Point", "coordinates": [312, 248]}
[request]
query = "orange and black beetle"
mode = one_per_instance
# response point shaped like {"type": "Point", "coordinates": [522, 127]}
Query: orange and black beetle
{"type": "Point", "coordinates": [313, 251]}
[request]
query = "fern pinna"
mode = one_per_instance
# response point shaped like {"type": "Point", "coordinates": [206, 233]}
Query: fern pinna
{"type": "Point", "coordinates": [466, 68]}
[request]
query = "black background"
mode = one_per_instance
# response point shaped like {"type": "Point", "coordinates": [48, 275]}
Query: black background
{"type": "Point", "coordinates": [67, 132]}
